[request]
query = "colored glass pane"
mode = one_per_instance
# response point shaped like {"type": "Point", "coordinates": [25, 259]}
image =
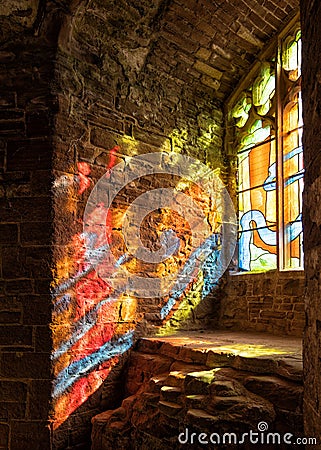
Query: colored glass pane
{"type": "Point", "coordinates": [294, 245]}
{"type": "Point", "coordinates": [270, 175]}
{"type": "Point", "coordinates": [257, 249]}
{"type": "Point", "coordinates": [240, 112]}
{"type": "Point", "coordinates": [291, 56]}
{"type": "Point", "coordinates": [264, 89]}
{"type": "Point", "coordinates": [255, 134]}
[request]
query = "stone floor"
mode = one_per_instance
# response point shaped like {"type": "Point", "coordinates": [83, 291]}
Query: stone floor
{"type": "Point", "coordinates": [217, 382]}
{"type": "Point", "coordinates": [248, 344]}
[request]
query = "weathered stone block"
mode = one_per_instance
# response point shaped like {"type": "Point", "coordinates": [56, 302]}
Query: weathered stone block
{"type": "Point", "coordinates": [283, 394]}
{"type": "Point", "coordinates": [19, 287]}
{"type": "Point", "coordinates": [25, 365]}
{"type": "Point", "coordinates": [29, 154]}
{"type": "Point", "coordinates": [26, 434]}
{"type": "Point", "coordinates": [7, 99]}
{"type": "Point", "coordinates": [15, 335]}
{"type": "Point", "coordinates": [10, 316]}
{"type": "Point", "coordinates": [11, 391]}
{"type": "Point", "coordinates": [199, 382]}
{"type": "Point", "coordinates": [8, 233]}
{"type": "Point", "coordinates": [38, 123]}
{"type": "Point", "coordinates": [4, 435]}
{"type": "Point", "coordinates": [35, 233]}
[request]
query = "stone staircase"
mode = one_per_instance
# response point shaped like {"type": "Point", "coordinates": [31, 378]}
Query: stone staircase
{"type": "Point", "coordinates": [177, 388]}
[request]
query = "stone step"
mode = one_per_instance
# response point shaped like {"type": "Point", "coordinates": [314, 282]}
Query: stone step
{"type": "Point", "coordinates": [291, 368]}
{"type": "Point", "coordinates": [196, 401]}
{"type": "Point", "coordinates": [281, 393]}
{"type": "Point", "coordinates": [170, 394]}
{"type": "Point", "coordinates": [150, 398]}
{"type": "Point", "coordinates": [215, 384]}
{"type": "Point", "coordinates": [252, 352]}
{"type": "Point", "coordinates": [142, 367]}
{"type": "Point", "coordinates": [187, 368]}
{"type": "Point", "coordinates": [175, 378]}
{"type": "Point", "coordinates": [225, 388]}
{"type": "Point", "coordinates": [177, 352]}
{"type": "Point", "coordinates": [199, 382]}
{"type": "Point", "coordinates": [169, 408]}
{"type": "Point", "coordinates": [247, 408]}
{"type": "Point", "coordinates": [156, 383]}
{"type": "Point", "coordinates": [219, 404]}
{"type": "Point", "coordinates": [200, 418]}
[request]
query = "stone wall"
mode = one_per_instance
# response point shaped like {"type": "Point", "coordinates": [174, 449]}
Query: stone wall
{"type": "Point", "coordinates": [311, 14]}
{"type": "Point", "coordinates": [26, 113]}
{"type": "Point", "coordinates": [115, 101]}
{"type": "Point", "coordinates": [272, 302]}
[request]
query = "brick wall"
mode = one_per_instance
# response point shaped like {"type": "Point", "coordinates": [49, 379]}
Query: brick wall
{"type": "Point", "coordinates": [26, 110]}
{"type": "Point", "coordinates": [311, 14]}
{"type": "Point", "coordinates": [115, 101]}
{"type": "Point", "coordinates": [271, 302]}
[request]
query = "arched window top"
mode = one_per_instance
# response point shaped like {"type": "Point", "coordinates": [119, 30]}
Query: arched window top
{"type": "Point", "coordinates": [291, 55]}
{"type": "Point", "coordinates": [266, 124]}
{"type": "Point", "coordinates": [264, 89]}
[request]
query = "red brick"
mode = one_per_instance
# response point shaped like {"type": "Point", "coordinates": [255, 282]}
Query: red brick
{"type": "Point", "coordinates": [12, 410]}
{"type": "Point", "coordinates": [111, 122]}
{"type": "Point", "coordinates": [41, 183]}
{"type": "Point", "coordinates": [2, 159]}
{"type": "Point", "coordinates": [38, 260]}
{"type": "Point", "coordinates": [37, 309]}
{"type": "Point", "coordinates": [29, 209]}
{"type": "Point", "coordinates": [183, 43]}
{"type": "Point", "coordinates": [12, 128]}
{"type": "Point", "coordinates": [102, 138]}
{"type": "Point", "coordinates": [38, 399]}
{"type": "Point", "coordinates": [43, 339]}
{"type": "Point", "coordinates": [11, 114]}
{"type": "Point", "coordinates": [19, 286]}
{"type": "Point", "coordinates": [14, 263]}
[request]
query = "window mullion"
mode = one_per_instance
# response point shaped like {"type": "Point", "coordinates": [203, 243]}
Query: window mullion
{"type": "Point", "coordinates": [279, 163]}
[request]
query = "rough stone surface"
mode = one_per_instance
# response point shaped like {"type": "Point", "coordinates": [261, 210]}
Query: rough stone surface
{"type": "Point", "coordinates": [272, 301]}
{"type": "Point", "coordinates": [311, 12]}
{"type": "Point", "coordinates": [211, 400]}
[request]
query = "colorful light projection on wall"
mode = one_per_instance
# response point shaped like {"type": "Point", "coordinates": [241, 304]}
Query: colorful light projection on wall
{"type": "Point", "coordinates": [87, 336]}
{"type": "Point", "coordinates": [270, 175]}
{"type": "Point", "coordinates": [94, 321]}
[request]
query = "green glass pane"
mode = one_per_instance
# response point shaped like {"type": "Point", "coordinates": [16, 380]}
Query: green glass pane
{"type": "Point", "coordinates": [264, 89]}
{"type": "Point", "coordinates": [291, 55]}
{"type": "Point", "coordinates": [240, 112]}
{"type": "Point", "coordinates": [256, 134]}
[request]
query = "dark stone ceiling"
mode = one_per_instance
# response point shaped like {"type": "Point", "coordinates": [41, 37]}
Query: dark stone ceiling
{"type": "Point", "coordinates": [208, 42]}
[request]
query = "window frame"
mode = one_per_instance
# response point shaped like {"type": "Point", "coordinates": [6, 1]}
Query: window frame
{"type": "Point", "coordinates": [272, 51]}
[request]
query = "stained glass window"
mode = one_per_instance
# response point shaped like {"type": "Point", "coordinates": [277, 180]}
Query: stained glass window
{"type": "Point", "coordinates": [266, 119]}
